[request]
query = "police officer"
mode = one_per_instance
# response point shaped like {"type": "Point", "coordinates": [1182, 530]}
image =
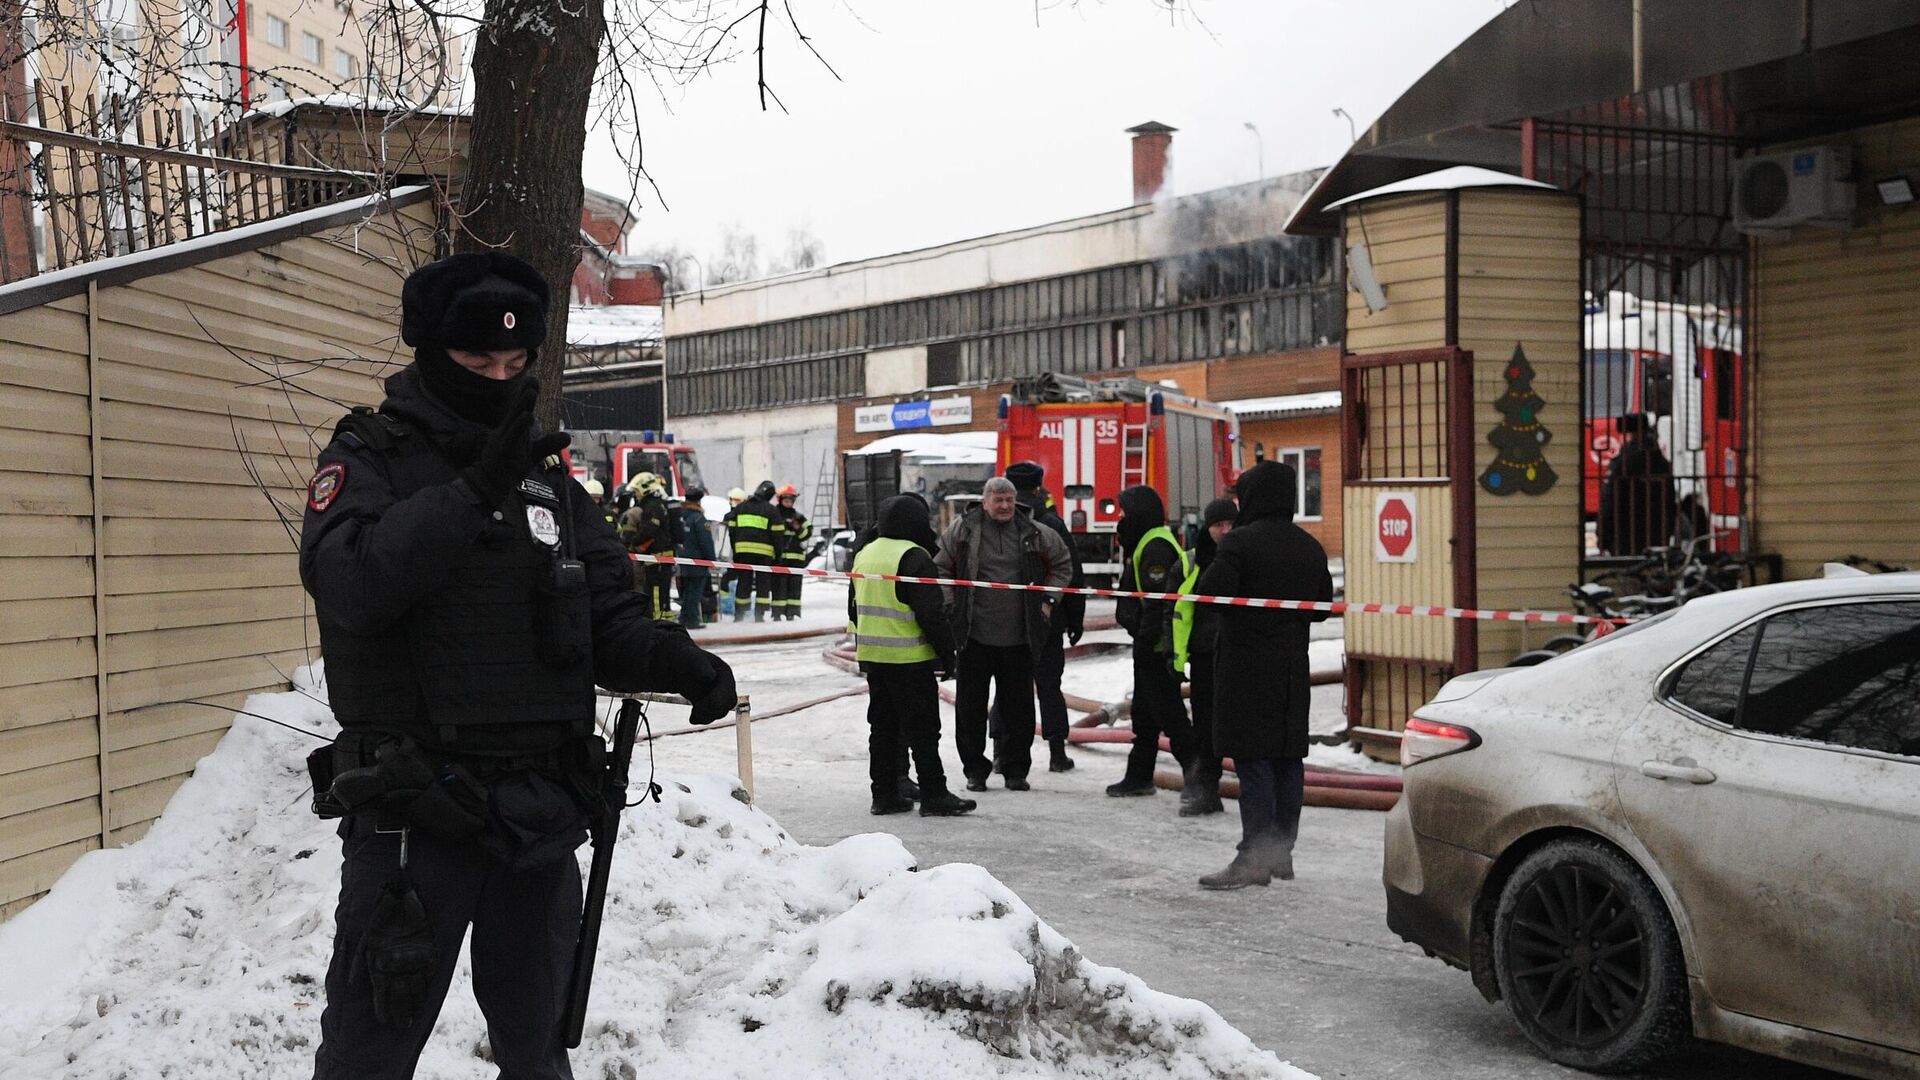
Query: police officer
{"type": "Point", "coordinates": [1154, 562]}
{"type": "Point", "coordinates": [793, 555]}
{"type": "Point", "coordinates": [470, 597]}
{"type": "Point", "coordinates": [758, 534]}
{"type": "Point", "coordinates": [1196, 632]}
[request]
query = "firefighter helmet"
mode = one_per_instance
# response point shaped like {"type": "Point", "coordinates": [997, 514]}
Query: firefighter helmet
{"type": "Point", "coordinates": [736, 496]}
{"type": "Point", "coordinates": [594, 488]}
{"type": "Point", "coordinates": [646, 484]}
{"type": "Point", "coordinates": [789, 491]}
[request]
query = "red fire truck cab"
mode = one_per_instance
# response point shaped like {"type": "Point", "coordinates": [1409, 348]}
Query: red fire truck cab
{"type": "Point", "coordinates": [1095, 438]}
{"type": "Point", "coordinates": [654, 452]}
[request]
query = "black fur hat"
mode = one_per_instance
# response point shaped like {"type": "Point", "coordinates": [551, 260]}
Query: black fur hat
{"type": "Point", "coordinates": [477, 301]}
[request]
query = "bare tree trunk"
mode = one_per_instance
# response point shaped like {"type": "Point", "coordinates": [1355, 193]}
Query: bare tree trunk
{"type": "Point", "coordinates": [533, 70]}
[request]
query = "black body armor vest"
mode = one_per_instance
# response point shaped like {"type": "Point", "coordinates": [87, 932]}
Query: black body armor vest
{"type": "Point", "coordinates": [495, 662]}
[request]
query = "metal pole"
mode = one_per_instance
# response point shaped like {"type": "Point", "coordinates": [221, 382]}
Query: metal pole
{"type": "Point", "coordinates": [743, 742]}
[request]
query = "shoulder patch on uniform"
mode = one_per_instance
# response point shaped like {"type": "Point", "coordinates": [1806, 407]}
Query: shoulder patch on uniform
{"type": "Point", "coordinates": [325, 486]}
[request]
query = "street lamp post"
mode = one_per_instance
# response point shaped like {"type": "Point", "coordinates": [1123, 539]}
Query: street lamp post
{"type": "Point", "coordinates": [1259, 149]}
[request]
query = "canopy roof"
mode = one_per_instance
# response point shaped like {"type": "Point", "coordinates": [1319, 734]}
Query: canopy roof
{"type": "Point", "coordinates": [1756, 71]}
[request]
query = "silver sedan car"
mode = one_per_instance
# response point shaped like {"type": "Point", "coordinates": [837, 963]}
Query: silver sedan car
{"type": "Point", "coordinates": [1706, 824]}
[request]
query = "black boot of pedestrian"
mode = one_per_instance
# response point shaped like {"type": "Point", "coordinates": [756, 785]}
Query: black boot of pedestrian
{"type": "Point", "coordinates": [1058, 761]}
{"type": "Point", "coordinates": [1239, 874]}
{"type": "Point", "coordinates": [1198, 796]}
{"type": "Point", "coordinates": [882, 807]}
{"type": "Point", "coordinates": [909, 789]}
{"type": "Point", "coordinates": [946, 804]}
{"type": "Point", "coordinates": [1130, 786]}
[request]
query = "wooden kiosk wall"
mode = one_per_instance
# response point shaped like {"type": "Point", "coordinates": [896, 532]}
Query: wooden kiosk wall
{"type": "Point", "coordinates": [147, 583]}
{"type": "Point", "coordinates": [1483, 271]}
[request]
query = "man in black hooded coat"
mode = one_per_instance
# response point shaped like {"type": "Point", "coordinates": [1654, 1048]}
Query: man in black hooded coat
{"type": "Point", "coordinates": [1157, 706]}
{"type": "Point", "coordinates": [470, 596]}
{"type": "Point", "coordinates": [1262, 689]}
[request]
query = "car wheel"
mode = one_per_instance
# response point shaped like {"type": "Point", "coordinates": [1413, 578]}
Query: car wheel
{"type": "Point", "coordinates": [1588, 960]}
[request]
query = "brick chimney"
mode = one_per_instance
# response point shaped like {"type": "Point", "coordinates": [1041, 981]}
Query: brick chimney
{"type": "Point", "coordinates": [1152, 169]}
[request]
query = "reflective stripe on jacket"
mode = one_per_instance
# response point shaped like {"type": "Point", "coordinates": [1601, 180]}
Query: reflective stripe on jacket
{"type": "Point", "coordinates": [755, 534]}
{"type": "Point", "coordinates": [885, 630]}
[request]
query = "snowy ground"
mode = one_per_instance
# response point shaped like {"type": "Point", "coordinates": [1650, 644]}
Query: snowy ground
{"type": "Point", "coordinates": [730, 949]}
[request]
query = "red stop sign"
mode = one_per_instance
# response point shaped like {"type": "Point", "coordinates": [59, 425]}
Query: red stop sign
{"type": "Point", "coordinates": [1395, 527]}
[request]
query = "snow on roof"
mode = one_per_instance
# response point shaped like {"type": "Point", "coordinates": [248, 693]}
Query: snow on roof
{"type": "Point", "coordinates": [355, 101]}
{"type": "Point", "coordinates": [287, 223]}
{"type": "Point", "coordinates": [1449, 179]}
{"type": "Point", "coordinates": [1267, 408]}
{"type": "Point", "coordinates": [613, 324]}
{"type": "Point", "coordinates": [951, 447]}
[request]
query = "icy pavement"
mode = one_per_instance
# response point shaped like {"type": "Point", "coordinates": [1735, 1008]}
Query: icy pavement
{"type": "Point", "coordinates": [729, 949]}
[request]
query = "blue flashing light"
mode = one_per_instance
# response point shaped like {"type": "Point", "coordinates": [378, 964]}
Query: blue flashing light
{"type": "Point", "coordinates": [1006, 403]}
{"type": "Point", "coordinates": [1156, 404]}
{"type": "Point", "coordinates": [647, 435]}
{"type": "Point", "coordinates": [667, 437]}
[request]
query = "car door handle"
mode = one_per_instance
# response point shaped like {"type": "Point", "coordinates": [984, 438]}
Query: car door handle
{"type": "Point", "coordinates": [1675, 770]}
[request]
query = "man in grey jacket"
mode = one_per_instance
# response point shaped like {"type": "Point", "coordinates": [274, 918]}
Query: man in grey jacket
{"type": "Point", "coordinates": [1000, 631]}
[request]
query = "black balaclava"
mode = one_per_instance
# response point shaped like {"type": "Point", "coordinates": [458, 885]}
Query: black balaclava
{"type": "Point", "coordinates": [1144, 511]}
{"type": "Point", "coordinates": [1203, 545]}
{"type": "Point", "coordinates": [1266, 491]}
{"type": "Point", "coordinates": [476, 301]}
{"type": "Point", "coordinates": [904, 517]}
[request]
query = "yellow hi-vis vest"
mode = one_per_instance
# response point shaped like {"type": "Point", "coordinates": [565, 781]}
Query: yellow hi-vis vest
{"type": "Point", "coordinates": [1183, 609]}
{"type": "Point", "coordinates": [885, 631]}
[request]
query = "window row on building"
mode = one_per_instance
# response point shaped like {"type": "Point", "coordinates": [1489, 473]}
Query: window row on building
{"type": "Point", "coordinates": [773, 384]}
{"type": "Point", "coordinates": [1290, 266]}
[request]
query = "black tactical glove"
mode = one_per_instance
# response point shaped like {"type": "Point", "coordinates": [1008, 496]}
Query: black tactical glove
{"type": "Point", "coordinates": [510, 452]}
{"type": "Point", "coordinates": [719, 699]}
{"type": "Point", "coordinates": [399, 955]}
{"type": "Point", "coordinates": [1074, 633]}
{"type": "Point", "coordinates": [681, 667]}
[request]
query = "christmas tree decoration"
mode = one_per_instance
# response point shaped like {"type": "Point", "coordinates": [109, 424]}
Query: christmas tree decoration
{"type": "Point", "coordinates": [1520, 442]}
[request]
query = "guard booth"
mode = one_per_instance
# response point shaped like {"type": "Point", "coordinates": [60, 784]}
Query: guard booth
{"type": "Point", "coordinates": [1461, 427]}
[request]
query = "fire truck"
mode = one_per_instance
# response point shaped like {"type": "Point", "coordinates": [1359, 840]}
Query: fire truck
{"type": "Point", "coordinates": [1679, 366]}
{"type": "Point", "coordinates": [1096, 438]}
{"type": "Point", "coordinates": [651, 451]}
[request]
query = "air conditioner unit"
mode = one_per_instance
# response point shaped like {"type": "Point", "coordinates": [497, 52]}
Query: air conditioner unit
{"type": "Point", "coordinates": [1773, 192]}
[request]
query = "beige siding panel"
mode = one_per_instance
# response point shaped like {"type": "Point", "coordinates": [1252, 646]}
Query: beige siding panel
{"type": "Point", "coordinates": [38, 830]}
{"type": "Point", "coordinates": [137, 421]}
{"type": "Point", "coordinates": [187, 573]}
{"type": "Point", "coordinates": [46, 703]}
{"type": "Point", "coordinates": [161, 461]}
{"type": "Point", "coordinates": [41, 369]}
{"type": "Point", "coordinates": [45, 493]}
{"type": "Point", "coordinates": [45, 744]}
{"type": "Point", "coordinates": [37, 578]}
{"type": "Point", "coordinates": [156, 761]}
{"type": "Point", "coordinates": [43, 535]}
{"type": "Point", "coordinates": [187, 501]}
{"type": "Point", "coordinates": [133, 612]}
{"type": "Point", "coordinates": [28, 409]}
{"type": "Point", "coordinates": [193, 644]}
{"type": "Point", "coordinates": [45, 620]}
{"type": "Point", "coordinates": [46, 328]}
{"type": "Point", "coordinates": [28, 877]}
{"type": "Point", "coordinates": [28, 662]}
{"type": "Point", "coordinates": [48, 785]}
{"type": "Point", "coordinates": [159, 723]}
{"type": "Point", "coordinates": [41, 451]}
{"type": "Point", "coordinates": [351, 316]}
{"type": "Point", "coordinates": [137, 689]}
{"type": "Point", "coordinates": [218, 396]}
{"type": "Point", "coordinates": [142, 803]}
{"type": "Point", "coordinates": [1427, 581]}
{"type": "Point", "coordinates": [123, 837]}
{"type": "Point", "coordinates": [173, 536]}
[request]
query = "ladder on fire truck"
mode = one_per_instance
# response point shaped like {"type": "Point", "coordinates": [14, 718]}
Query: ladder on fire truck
{"type": "Point", "coordinates": [1133, 455]}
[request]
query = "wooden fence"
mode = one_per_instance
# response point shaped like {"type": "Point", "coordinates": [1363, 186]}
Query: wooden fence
{"type": "Point", "coordinates": [158, 421]}
{"type": "Point", "coordinates": [110, 178]}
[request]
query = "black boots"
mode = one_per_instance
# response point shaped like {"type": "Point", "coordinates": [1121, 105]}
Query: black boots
{"type": "Point", "coordinates": [882, 807]}
{"type": "Point", "coordinates": [1199, 795]}
{"type": "Point", "coordinates": [1018, 783]}
{"type": "Point", "coordinates": [1059, 761]}
{"type": "Point", "coordinates": [1129, 787]}
{"type": "Point", "coordinates": [1239, 874]}
{"type": "Point", "coordinates": [945, 804]}
{"type": "Point", "coordinates": [909, 789]}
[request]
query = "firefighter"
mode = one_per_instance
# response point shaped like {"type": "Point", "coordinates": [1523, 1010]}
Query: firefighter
{"type": "Point", "coordinates": [598, 492]}
{"type": "Point", "coordinates": [646, 530]}
{"type": "Point", "coordinates": [905, 646]}
{"type": "Point", "coordinates": [1153, 562]}
{"type": "Point", "coordinates": [757, 532]}
{"type": "Point", "coordinates": [794, 555]}
{"type": "Point", "coordinates": [463, 680]}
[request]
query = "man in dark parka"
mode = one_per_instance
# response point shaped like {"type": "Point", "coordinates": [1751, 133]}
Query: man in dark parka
{"type": "Point", "coordinates": [1261, 722]}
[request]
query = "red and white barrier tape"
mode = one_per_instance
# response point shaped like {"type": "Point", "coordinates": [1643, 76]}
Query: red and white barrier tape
{"type": "Point", "coordinates": [1337, 608]}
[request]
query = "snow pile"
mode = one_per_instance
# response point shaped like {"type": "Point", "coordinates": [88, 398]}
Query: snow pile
{"type": "Point", "coordinates": [729, 950]}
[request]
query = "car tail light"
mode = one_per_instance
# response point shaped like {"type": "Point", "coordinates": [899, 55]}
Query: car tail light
{"type": "Point", "coordinates": [1425, 740]}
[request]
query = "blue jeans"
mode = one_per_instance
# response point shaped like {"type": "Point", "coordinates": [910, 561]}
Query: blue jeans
{"type": "Point", "coordinates": [693, 594]}
{"type": "Point", "coordinates": [1271, 791]}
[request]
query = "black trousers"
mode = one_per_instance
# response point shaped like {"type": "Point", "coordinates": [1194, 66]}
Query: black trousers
{"type": "Point", "coordinates": [1010, 669]}
{"type": "Point", "coordinates": [1271, 792]}
{"type": "Point", "coordinates": [903, 715]}
{"type": "Point", "coordinates": [1206, 758]}
{"type": "Point", "coordinates": [1157, 709]}
{"type": "Point", "coordinates": [755, 582]}
{"type": "Point", "coordinates": [693, 599]}
{"type": "Point", "coordinates": [524, 926]}
{"type": "Point", "coordinates": [786, 589]}
{"type": "Point", "coordinates": [1048, 667]}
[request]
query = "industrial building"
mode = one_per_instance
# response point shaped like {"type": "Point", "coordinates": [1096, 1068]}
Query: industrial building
{"type": "Point", "coordinates": [773, 378]}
